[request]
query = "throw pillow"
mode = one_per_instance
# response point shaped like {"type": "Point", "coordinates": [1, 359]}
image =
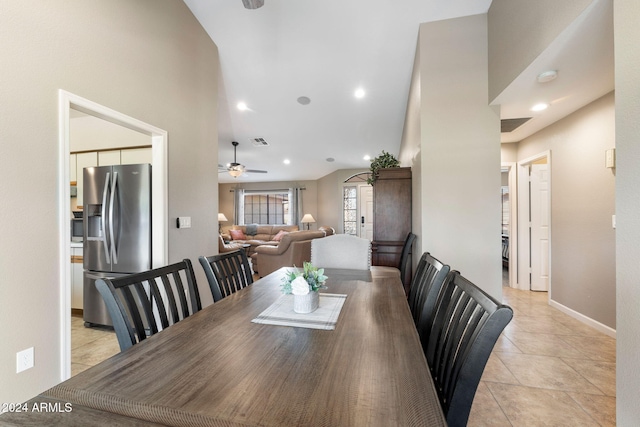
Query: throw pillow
{"type": "Point", "coordinates": [279, 236]}
{"type": "Point", "coordinates": [237, 235]}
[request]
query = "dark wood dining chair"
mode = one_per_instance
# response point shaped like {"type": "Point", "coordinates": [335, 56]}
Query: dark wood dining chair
{"type": "Point", "coordinates": [404, 265]}
{"type": "Point", "coordinates": [143, 304]}
{"type": "Point", "coordinates": [467, 325]}
{"type": "Point", "coordinates": [402, 269]}
{"type": "Point", "coordinates": [425, 286]}
{"type": "Point", "coordinates": [227, 273]}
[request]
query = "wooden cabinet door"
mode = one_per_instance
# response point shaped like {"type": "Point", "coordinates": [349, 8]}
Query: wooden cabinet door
{"type": "Point", "coordinates": [134, 156]}
{"type": "Point", "coordinates": [109, 158]}
{"type": "Point", "coordinates": [392, 215]}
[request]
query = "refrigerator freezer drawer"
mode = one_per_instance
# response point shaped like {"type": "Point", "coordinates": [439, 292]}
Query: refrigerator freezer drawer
{"type": "Point", "coordinates": [94, 310]}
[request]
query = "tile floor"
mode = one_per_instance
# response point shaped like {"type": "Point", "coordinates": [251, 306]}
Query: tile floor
{"type": "Point", "coordinates": [547, 369]}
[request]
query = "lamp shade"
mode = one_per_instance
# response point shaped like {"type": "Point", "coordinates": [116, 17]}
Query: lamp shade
{"type": "Point", "coordinates": [222, 218]}
{"type": "Point", "coordinates": [307, 218]}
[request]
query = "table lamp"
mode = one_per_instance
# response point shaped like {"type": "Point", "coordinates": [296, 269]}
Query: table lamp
{"type": "Point", "coordinates": [307, 219]}
{"type": "Point", "coordinates": [221, 218]}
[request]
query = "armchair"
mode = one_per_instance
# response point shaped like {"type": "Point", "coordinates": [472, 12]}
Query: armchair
{"type": "Point", "coordinates": [227, 247]}
{"type": "Point", "coordinates": [293, 250]}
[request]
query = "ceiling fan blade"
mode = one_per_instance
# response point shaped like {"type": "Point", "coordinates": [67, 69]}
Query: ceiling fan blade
{"type": "Point", "coordinates": [255, 171]}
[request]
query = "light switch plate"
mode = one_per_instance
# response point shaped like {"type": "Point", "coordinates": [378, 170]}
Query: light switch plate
{"type": "Point", "coordinates": [610, 158]}
{"type": "Point", "coordinates": [184, 222]}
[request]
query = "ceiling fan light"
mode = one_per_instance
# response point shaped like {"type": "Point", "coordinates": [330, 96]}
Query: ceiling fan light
{"type": "Point", "coordinates": [253, 4]}
{"type": "Point", "coordinates": [235, 172]}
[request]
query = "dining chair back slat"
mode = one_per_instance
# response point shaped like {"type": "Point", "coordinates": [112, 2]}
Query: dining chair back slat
{"type": "Point", "coordinates": [142, 304]}
{"type": "Point", "coordinates": [227, 273]}
{"type": "Point", "coordinates": [404, 264]}
{"type": "Point", "coordinates": [466, 326]}
{"type": "Point", "coordinates": [430, 275]}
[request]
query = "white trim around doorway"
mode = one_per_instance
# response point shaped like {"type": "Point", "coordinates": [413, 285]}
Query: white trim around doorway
{"type": "Point", "coordinates": [160, 213]}
{"type": "Point", "coordinates": [513, 223]}
{"type": "Point", "coordinates": [523, 222]}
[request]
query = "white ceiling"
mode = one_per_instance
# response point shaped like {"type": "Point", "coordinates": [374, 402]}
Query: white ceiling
{"type": "Point", "coordinates": [325, 50]}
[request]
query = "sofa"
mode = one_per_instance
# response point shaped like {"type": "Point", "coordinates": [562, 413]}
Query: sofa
{"type": "Point", "coordinates": [264, 235]}
{"type": "Point", "coordinates": [293, 250]}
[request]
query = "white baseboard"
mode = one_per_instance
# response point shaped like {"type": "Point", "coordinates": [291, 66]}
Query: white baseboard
{"type": "Point", "coordinates": [584, 319]}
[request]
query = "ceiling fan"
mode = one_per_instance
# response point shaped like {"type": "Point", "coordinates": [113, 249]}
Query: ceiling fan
{"type": "Point", "coordinates": [235, 169]}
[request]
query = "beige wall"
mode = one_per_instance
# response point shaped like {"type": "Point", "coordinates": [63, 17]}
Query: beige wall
{"type": "Point", "coordinates": [509, 153]}
{"type": "Point", "coordinates": [582, 203]}
{"type": "Point", "coordinates": [309, 198]}
{"type": "Point", "coordinates": [627, 66]}
{"type": "Point", "coordinates": [149, 59]}
{"type": "Point", "coordinates": [460, 151]}
{"type": "Point", "coordinates": [410, 154]}
{"type": "Point", "coordinates": [520, 30]}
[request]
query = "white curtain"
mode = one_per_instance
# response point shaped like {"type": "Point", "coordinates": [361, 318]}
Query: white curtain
{"type": "Point", "coordinates": [295, 203]}
{"type": "Point", "coordinates": [238, 204]}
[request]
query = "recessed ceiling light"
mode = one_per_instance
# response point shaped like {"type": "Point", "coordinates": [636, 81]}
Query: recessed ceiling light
{"type": "Point", "coordinates": [304, 100]}
{"type": "Point", "coordinates": [540, 107]}
{"type": "Point", "coordinates": [330, 159]}
{"type": "Point", "coordinates": [242, 106]}
{"type": "Point", "coordinates": [359, 93]}
{"type": "Point", "coordinates": [367, 157]}
{"type": "Point", "coordinates": [286, 161]}
{"type": "Point", "coordinates": [547, 76]}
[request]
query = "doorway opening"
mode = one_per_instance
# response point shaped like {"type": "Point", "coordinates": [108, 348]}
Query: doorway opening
{"type": "Point", "coordinates": [509, 221]}
{"type": "Point", "coordinates": [534, 219]}
{"type": "Point", "coordinates": [67, 102]}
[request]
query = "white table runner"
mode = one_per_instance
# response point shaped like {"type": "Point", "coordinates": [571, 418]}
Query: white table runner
{"type": "Point", "coordinates": [325, 317]}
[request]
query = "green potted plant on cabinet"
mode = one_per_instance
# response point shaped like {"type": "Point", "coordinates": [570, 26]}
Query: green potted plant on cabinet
{"type": "Point", "coordinates": [383, 161]}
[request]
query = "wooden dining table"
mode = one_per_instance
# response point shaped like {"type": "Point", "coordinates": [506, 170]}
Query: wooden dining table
{"type": "Point", "coordinates": [218, 368]}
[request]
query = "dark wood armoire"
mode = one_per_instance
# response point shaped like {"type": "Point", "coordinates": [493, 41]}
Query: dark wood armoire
{"type": "Point", "coordinates": [391, 215]}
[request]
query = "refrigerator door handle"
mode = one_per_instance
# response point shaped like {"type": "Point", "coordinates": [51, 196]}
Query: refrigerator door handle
{"type": "Point", "coordinates": [103, 217]}
{"type": "Point", "coordinates": [114, 246]}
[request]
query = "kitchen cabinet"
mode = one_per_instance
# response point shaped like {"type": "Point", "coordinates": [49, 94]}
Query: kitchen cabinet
{"type": "Point", "coordinates": [134, 156]}
{"type": "Point", "coordinates": [83, 160]}
{"type": "Point", "coordinates": [108, 158]}
{"type": "Point", "coordinates": [72, 167]}
{"type": "Point", "coordinates": [76, 277]}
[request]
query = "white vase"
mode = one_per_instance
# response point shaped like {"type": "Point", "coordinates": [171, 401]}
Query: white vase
{"type": "Point", "coordinates": [305, 304]}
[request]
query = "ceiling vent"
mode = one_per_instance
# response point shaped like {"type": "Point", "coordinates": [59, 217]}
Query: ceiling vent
{"type": "Point", "coordinates": [253, 4]}
{"type": "Point", "coordinates": [509, 125]}
{"type": "Point", "coordinates": [259, 142]}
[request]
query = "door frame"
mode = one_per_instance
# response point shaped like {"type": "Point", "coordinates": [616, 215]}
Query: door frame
{"type": "Point", "coordinates": [524, 244]}
{"type": "Point", "coordinates": [159, 203]}
{"type": "Point", "coordinates": [513, 222]}
{"type": "Point", "coordinates": [359, 209]}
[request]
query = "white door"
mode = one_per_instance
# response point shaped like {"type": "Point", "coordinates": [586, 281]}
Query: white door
{"type": "Point", "coordinates": [366, 212]}
{"type": "Point", "coordinates": [539, 220]}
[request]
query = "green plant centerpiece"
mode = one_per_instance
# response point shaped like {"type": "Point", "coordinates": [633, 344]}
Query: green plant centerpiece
{"type": "Point", "coordinates": [383, 161]}
{"type": "Point", "coordinates": [305, 285]}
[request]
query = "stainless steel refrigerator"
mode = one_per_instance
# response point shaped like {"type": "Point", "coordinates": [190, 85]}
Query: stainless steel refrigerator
{"type": "Point", "coordinates": [117, 230]}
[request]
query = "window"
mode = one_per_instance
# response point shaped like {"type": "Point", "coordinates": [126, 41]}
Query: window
{"type": "Point", "coordinates": [266, 207]}
{"type": "Point", "coordinates": [350, 203]}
